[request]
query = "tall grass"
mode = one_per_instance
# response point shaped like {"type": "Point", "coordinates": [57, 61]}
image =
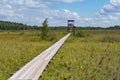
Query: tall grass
{"type": "Point", "coordinates": [86, 58]}
{"type": "Point", "coordinates": [19, 47]}
{"type": "Point", "coordinates": [94, 57]}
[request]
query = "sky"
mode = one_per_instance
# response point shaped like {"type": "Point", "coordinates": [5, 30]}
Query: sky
{"type": "Point", "coordinates": [98, 13]}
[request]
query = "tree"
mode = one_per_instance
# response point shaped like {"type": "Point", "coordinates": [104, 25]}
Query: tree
{"type": "Point", "coordinates": [45, 30]}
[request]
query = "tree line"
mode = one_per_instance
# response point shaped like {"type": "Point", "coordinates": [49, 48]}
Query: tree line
{"type": "Point", "coordinates": [7, 25]}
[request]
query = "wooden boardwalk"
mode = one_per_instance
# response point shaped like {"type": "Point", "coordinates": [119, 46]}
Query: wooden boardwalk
{"type": "Point", "coordinates": [33, 69]}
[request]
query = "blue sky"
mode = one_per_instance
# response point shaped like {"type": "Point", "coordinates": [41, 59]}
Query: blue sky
{"type": "Point", "coordinates": [102, 13]}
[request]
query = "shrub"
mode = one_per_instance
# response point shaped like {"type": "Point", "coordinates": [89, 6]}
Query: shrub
{"type": "Point", "coordinates": [52, 37]}
{"type": "Point", "coordinates": [81, 34]}
{"type": "Point", "coordinates": [111, 39]}
{"type": "Point", "coordinates": [45, 30]}
{"type": "Point", "coordinates": [22, 33]}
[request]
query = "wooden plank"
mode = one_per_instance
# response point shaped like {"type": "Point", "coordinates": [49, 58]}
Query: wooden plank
{"type": "Point", "coordinates": [33, 69]}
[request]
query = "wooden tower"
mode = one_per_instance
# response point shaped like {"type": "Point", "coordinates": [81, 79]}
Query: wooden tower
{"type": "Point", "coordinates": [70, 25]}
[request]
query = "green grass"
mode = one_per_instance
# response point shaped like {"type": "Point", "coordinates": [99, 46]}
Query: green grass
{"type": "Point", "coordinates": [87, 58]}
{"type": "Point", "coordinates": [92, 57]}
{"type": "Point", "coordinates": [19, 47]}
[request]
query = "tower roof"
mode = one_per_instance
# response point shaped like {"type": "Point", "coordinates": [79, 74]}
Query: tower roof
{"type": "Point", "coordinates": [70, 20]}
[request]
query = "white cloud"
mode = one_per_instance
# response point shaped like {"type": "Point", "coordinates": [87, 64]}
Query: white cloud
{"type": "Point", "coordinates": [115, 2]}
{"type": "Point", "coordinates": [112, 8]}
{"type": "Point", "coordinates": [26, 3]}
{"type": "Point", "coordinates": [68, 14]}
{"type": "Point", "coordinates": [34, 12]}
{"type": "Point", "coordinates": [6, 9]}
{"type": "Point", "coordinates": [110, 17]}
{"type": "Point", "coordinates": [18, 2]}
{"type": "Point", "coordinates": [30, 3]}
{"type": "Point", "coordinates": [69, 1]}
{"type": "Point", "coordinates": [109, 14]}
{"type": "Point", "coordinates": [34, 3]}
{"type": "Point", "coordinates": [57, 17]}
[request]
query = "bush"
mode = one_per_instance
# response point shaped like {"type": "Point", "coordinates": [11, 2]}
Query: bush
{"type": "Point", "coordinates": [111, 39]}
{"type": "Point", "coordinates": [45, 30]}
{"type": "Point", "coordinates": [81, 34]}
{"type": "Point", "coordinates": [22, 33]}
{"type": "Point", "coordinates": [52, 37]}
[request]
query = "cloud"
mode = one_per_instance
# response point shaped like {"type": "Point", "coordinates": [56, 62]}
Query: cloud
{"type": "Point", "coordinates": [6, 10]}
{"type": "Point", "coordinates": [115, 2]}
{"type": "Point", "coordinates": [112, 8]}
{"type": "Point", "coordinates": [26, 3]}
{"type": "Point", "coordinates": [57, 17]}
{"type": "Point", "coordinates": [33, 12]}
{"type": "Point", "coordinates": [70, 15]}
{"type": "Point", "coordinates": [38, 3]}
{"type": "Point", "coordinates": [33, 3]}
{"type": "Point", "coordinates": [109, 14]}
{"type": "Point", "coordinates": [69, 1]}
{"type": "Point", "coordinates": [97, 21]}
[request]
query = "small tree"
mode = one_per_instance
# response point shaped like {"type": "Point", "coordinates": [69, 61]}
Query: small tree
{"type": "Point", "coordinates": [45, 30]}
